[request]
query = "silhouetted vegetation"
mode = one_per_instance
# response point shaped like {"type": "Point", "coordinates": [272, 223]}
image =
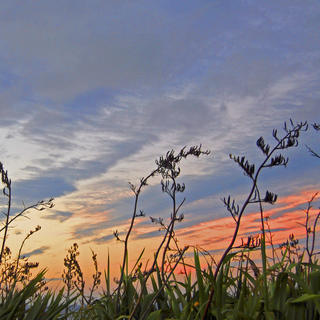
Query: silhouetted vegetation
{"type": "Point", "coordinates": [283, 283]}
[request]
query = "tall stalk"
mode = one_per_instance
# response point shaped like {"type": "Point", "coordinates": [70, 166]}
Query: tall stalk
{"type": "Point", "coordinates": [168, 168]}
{"type": "Point", "coordinates": [290, 139]}
{"type": "Point", "coordinates": [136, 191]}
{"type": "Point", "coordinates": [7, 193]}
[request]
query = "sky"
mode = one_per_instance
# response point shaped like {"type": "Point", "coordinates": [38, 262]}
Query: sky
{"type": "Point", "coordinates": [92, 92]}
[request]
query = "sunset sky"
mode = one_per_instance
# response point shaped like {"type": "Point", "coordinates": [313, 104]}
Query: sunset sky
{"type": "Point", "coordinates": [92, 92]}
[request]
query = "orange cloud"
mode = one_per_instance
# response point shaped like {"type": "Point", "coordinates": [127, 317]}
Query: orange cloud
{"type": "Point", "coordinates": [286, 217]}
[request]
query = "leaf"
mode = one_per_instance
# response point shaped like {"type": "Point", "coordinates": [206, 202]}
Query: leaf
{"type": "Point", "coordinates": [305, 297]}
{"type": "Point", "coordinates": [155, 315]}
{"type": "Point", "coordinates": [202, 294]}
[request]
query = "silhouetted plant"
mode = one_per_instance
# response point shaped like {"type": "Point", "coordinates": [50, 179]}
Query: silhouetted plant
{"type": "Point", "coordinates": [7, 192]}
{"type": "Point", "coordinates": [168, 167]}
{"type": "Point", "coordinates": [310, 228]}
{"type": "Point", "coordinates": [73, 279]}
{"type": "Point", "coordinates": [15, 270]}
{"type": "Point", "coordinates": [316, 127]}
{"type": "Point", "coordinates": [290, 139]}
{"type": "Point", "coordinates": [21, 296]}
{"type": "Point", "coordinates": [70, 273]}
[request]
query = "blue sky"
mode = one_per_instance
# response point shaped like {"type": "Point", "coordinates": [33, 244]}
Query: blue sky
{"type": "Point", "coordinates": [92, 92]}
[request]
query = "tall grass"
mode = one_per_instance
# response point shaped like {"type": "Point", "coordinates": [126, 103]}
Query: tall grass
{"type": "Point", "coordinates": [285, 285]}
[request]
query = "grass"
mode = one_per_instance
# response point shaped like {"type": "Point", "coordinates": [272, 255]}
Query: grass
{"type": "Point", "coordinates": [284, 285]}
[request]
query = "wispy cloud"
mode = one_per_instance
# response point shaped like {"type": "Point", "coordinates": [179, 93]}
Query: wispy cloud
{"type": "Point", "coordinates": [59, 215]}
{"type": "Point", "coordinates": [37, 252]}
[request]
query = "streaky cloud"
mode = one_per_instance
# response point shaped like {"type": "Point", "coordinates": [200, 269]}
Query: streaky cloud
{"type": "Point", "coordinates": [35, 252]}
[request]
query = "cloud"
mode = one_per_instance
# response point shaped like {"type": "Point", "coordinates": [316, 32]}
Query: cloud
{"type": "Point", "coordinates": [41, 188]}
{"type": "Point", "coordinates": [111, 53]}
{"type": "Point", "coordinates": [175, 114]}
{"type": "Point", "coordinates": [149, 235]}
{"type": "Point", "coordinates": [107, 238]}
{"type": "Point", "coordinates": [91, 94]}
{"type": "Point", "coordinates": [285, 218]}
{"type": "Point", "coordinates": [38, 251]}
{"type": "Point", "coordinates": [59, 215]}
{"type": "Point", "coordinates": [101, 226]}
{"type": "Point", "coordinates": [88, 230]}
